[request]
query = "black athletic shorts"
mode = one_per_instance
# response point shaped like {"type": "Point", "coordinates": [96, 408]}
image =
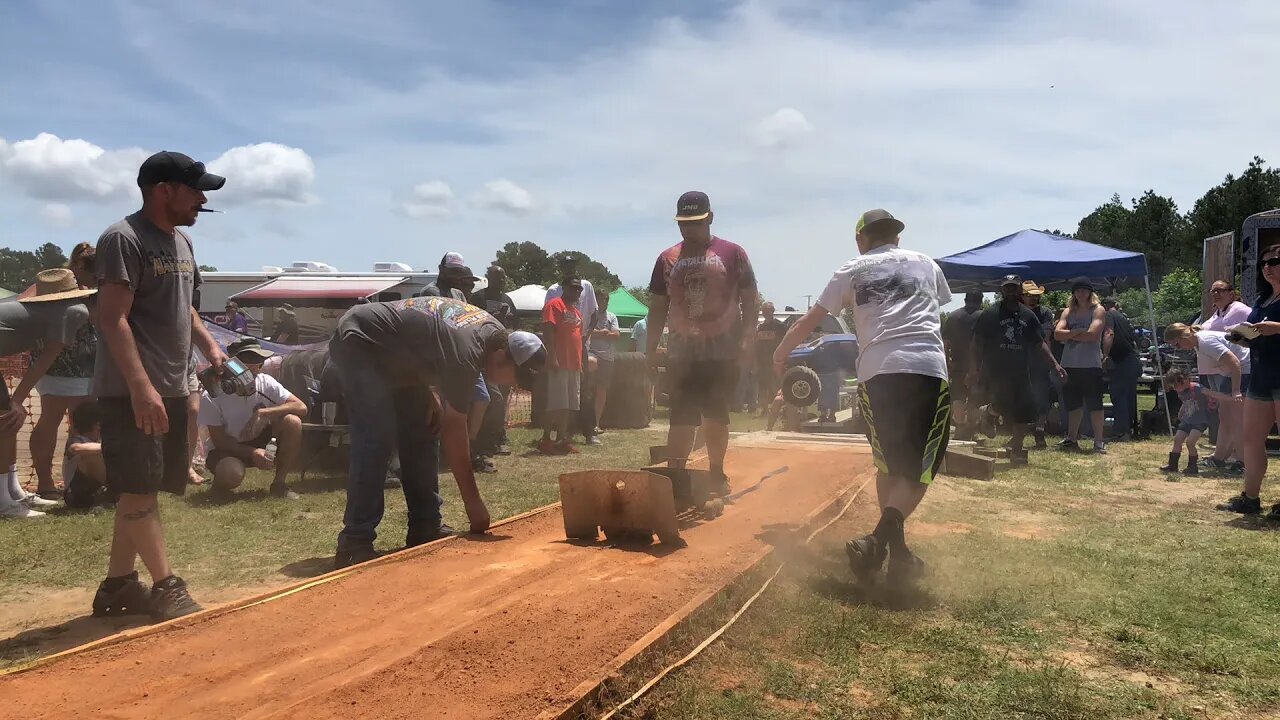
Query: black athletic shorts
{"type": "Point", "coordinates": [702, 389]}
{"type": "Point", "coordinates": [216, 456]}
{"type": "Point", "coordinates": [1013, 397]}
{"type": "Point", "coordinates": [1083, 389]}
{"type": "Point", "coordinates": [141, 464]}
{"type": "Point", "coordinates": [909, 421]}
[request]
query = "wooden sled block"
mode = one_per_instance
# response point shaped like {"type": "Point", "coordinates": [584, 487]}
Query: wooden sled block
{"type": "Point", "coordinates": [622, 501]}
{"type": "Point", "coordinates": [963, 464]}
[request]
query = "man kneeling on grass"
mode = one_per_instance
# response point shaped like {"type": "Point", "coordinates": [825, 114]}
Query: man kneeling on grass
{"type": "Point", "coordinates": [242, 427]}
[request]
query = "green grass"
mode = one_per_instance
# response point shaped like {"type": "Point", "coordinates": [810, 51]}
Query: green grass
{"type": "Point", "coordinates": [1079, 587]}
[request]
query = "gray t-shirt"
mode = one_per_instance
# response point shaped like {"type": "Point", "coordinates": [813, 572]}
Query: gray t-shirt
{"type": "Point", "coordinates": [602, 347]}
{"type": "Point", "coordinates": [23, 326]}
{"type": "Point", "coordinates": [1076, 354]}
{"type": "Point", "coordinates": [161, 270]}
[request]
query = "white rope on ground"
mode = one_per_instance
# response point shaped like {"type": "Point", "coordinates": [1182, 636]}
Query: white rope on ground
{"type": "Point", "coordinates": [723, 628]}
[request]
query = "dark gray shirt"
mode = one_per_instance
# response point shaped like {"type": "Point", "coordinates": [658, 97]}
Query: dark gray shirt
{"type": "Point", "coordinates": [23, 326]}
{"type": "Point", "coordinates": [161, 271]}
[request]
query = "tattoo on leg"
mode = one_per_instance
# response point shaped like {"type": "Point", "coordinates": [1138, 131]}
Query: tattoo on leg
{"type": "Point", "coordinates": [139, 514]}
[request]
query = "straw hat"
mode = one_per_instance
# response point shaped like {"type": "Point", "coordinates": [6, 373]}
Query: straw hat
{"type": "Point", "coordinates": [54, 284]}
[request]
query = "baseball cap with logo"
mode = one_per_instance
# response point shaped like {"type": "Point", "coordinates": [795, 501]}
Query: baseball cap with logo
{"type": "Point", "coordinates": [528, 354]}
{"type": "Point", "coordinates": [879, 218]}
{"type": "Point", "coordinates": [693, 205]}
{"type": "Point", "coordinates": [1008, 280]}
{"type": "Point", "coordinates": [171, 166]}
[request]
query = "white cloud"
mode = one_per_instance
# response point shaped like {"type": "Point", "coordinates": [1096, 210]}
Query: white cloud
{"type": "Point", "coordinates": [783, 129]}
{"type": "Point", "coordinates": [266, 172]}
{"type": "Point", "coordinates": [431, 199]}
{"type": "Point", "coordinates": [47, 167]}
{"type": "Point", "coordinates": [57, 215]}
{"type": "Point", "coordinates": [505, 196]}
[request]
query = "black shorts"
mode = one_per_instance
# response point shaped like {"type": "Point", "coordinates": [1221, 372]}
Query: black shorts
{"type": "Point", "coordinates": [700, 390]}
{"type": "Point", "coordinates": [1013, 398]}
{"type": "Point", "coordinates": [216, 456]}
{"type": "Point", "coordinates": [909, 423]}
{"type": "Point", "coordinates": [1083, 389]}
{"type": "Point", "coordinates": [141, 464]}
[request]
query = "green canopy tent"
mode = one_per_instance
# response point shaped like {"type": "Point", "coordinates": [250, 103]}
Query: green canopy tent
{"type": "Point", "coordinates": [628, 309]}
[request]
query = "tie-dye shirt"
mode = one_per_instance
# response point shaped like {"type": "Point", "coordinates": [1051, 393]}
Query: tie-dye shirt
{"type": "Point", "coordinates": [703, 291]}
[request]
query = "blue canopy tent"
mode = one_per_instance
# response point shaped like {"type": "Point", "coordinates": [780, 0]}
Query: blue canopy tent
{"type": "Point", "coordinates": [1050, 260]}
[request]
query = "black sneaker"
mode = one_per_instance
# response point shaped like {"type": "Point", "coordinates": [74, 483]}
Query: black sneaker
{"type": "Point", "coordinates": [1274, 515]}
{"type": "Point", "coordinates": [354, 556]}
{"type": "Point", "coordinates": [1235, 469]}
{"type": "Point", "coordinates": [1242, 504]}
{"type": "Point", "coordinates": [129, 597]}
{"type": "Point", "coordinates": [1213, 465]}
{"type": "Point", "coordinates": [482, 464]}
{"type": "Point", "coordinates": [720, 484]}
{"type": "Point", "coordinates": [866, 555]}
{"type": "Point", "coordinates": [170, 599]}
{"type": "Point", "coordinates": [1099, 448]}
{"type": "Point", "coordinates": [1069, 445]}
{"type": "Point", "coordinates": [904, 566]}
{"type": "Point", "coordinates": [421, 537]}
{"type": "Point", "coordinates": [281, 490]}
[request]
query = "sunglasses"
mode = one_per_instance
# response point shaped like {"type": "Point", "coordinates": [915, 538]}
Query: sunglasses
{"type": "Point", "coordinates": [1271, 262]}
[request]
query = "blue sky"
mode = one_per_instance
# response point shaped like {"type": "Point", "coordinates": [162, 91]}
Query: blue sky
{"type": "Point", "coordinates": [389, 130]}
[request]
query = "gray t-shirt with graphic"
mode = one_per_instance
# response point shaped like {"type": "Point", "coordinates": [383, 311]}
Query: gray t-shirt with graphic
{"type": "Point", "coordinates": [161, 271]}
{"type": "Point", "coordinates": [24, 326]}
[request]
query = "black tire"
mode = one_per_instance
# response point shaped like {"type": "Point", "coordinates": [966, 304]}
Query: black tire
{"type": "Point", "coordinates": [801, 386]}
{"type": "Point", "coordinates": [630, 389]}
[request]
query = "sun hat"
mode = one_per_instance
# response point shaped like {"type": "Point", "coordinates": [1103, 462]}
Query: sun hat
{"type": "Point", "coordinates": [55, 284]}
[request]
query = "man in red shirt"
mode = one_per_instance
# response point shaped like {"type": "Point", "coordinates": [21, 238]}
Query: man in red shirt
{"type": "Point", "coordinates": [562, 334]}
{"type": "Point", "coordinates": [704, 290]}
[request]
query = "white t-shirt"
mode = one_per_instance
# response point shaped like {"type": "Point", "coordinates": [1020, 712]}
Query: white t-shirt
{"type": "Point", "coordinates": [233, 412]}
{"type": "Point", "coordinates": [895, 295]}
{"type": "Point", "coordinates": [1212, 346]}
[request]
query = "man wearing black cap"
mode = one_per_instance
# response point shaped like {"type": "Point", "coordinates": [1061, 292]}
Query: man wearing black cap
{"type": "Point", "coordinates": [957, 336]}
{"type": "Point", "coordinates": [147, 278]}
{"type": "Point", "coordinates": [704, 289]}
{"type": "Point", "coordinates": [895, 295]}
{"type": "Point", "coordinates": [243, 425]}
{"type": "Point", "coordinates": [1005, 338]}
{"type": "Point", "coordinates": [407, 370]}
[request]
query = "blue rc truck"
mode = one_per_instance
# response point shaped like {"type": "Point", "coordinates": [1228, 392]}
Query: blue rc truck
{"type": "Point", "coordinates": [816, 370]}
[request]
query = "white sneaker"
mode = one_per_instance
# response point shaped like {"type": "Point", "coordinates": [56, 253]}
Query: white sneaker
{"type": "Point", "coordinates": [33, 500]}
{"type": "Point", "coordinates": [18, 511]}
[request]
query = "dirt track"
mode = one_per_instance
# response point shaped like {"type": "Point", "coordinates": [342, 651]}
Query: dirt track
{"type": "Point", "coordinates": [500, 627]}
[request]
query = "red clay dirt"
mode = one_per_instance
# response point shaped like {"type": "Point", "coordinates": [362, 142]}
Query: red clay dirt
{"type": "Point", "coordinates": [504, 626]}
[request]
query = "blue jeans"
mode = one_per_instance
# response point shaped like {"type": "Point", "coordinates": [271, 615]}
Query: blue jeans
{"type": "Point", "coordinates": [1124, 394]}
{"type": "Point", "coordinates": [383, 418]}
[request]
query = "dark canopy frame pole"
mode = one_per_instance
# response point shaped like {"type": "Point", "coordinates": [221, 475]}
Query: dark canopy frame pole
{"type": "Point", "coordinates": [1155, 345]}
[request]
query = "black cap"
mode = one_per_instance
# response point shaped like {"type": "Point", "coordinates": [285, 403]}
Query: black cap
{"type": "Point", "coordinates": [1082, 283]}
{"type": "Point", "coordinates": [458, 272]}
{"type": "Point", "coordinates": [175, 167]}
{"type": "Point", "coordinates": [1008, 280]}
{"type": "Point", "coordinates": [250, 347]}
{"type": "Point", "coordinates": [693, 205]}
{"type": "Point", "coordinates": [879, 218]}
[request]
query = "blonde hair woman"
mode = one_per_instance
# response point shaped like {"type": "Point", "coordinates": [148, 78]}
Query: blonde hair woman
{"type": "Point", "coordinates": [1226, 366]}
{"type": "Point", "coordinates": [1080, 331]}
{"type": "Point", "coordinates": [68, 381]}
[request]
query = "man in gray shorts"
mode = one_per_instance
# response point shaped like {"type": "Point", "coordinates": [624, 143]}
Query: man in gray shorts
{"type": "Point", "coordinates": [147, 277]}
